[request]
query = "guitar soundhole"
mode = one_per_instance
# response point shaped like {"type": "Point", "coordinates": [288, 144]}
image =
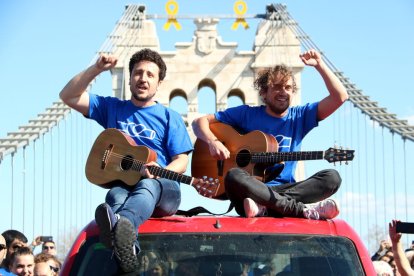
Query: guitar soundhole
{"type": "Point", "coordinates": [126, 162]}
{"type": "Point", "coordinates": [243, 158]}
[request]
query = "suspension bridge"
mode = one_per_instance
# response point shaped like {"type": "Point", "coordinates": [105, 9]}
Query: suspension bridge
{"type": "Point", "coordinates": [42, 162]}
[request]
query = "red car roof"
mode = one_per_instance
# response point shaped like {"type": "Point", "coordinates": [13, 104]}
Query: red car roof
{"type": "Point", "coordinates": [230, 224]}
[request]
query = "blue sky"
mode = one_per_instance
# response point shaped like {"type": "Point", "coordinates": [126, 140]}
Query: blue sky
{"type": "Point", "coordinates": [44, 43]}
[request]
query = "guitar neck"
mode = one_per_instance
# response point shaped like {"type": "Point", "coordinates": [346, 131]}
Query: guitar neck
{"type": "Point", "coordinates": [164, 173]}
{"type": "Point", "coordinates": [274, 157]}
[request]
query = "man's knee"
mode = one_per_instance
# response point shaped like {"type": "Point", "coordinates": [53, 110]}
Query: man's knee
{"type": "Point", "coordinates": [332, 179]}
{"type": "Point", "coordinates": [152, 185]}
{"type": "Point", "coordinates": [234, 175]}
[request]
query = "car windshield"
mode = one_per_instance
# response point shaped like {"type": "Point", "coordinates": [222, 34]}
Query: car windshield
{"type": "Point", "coordinates": [228, 254]}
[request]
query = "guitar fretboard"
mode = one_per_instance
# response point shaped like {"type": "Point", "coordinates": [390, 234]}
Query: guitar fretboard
{"type": "Point", "coordinates": [163, 173]}
{"type": "Point", "coordinates": [275, 157]}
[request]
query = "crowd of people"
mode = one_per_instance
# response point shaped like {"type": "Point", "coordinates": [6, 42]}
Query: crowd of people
{"type": "Point", "coordinates": [17, 256]}
{"type": "Point", "coordinates": [390, 258]}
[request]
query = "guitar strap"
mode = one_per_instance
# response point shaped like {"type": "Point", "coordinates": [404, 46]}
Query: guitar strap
{"type": "Point", "coordinates": [201, 210]}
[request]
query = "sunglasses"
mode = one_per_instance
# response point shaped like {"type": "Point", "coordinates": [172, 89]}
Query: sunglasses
{"type": "Point", "coordinates": [2, 247]}
{"type": "Point", "coordinates": [48, 247]}
{"type": "Point", "coordinates": [54, 269]}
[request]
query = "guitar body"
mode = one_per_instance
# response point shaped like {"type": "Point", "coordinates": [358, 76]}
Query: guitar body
{"type": "Point", "coordinates": [111, 158]}
{"type": "Point", "coordinates": [203, 164]}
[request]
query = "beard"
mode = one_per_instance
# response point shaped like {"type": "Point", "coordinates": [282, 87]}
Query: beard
{"type": "Point", "coordinates": [277, 109]}
{"type": "Point", "coordinates": [143, 98]}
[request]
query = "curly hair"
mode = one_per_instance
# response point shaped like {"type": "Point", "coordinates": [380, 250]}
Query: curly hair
{"type": "Point", "coordinates": [45, 257]}
{"type": "Point", "coordinates": [148, 55]}
{"type": "Point", "coordinates": [279, 74]}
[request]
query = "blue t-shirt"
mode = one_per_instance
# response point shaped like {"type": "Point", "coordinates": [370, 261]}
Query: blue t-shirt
{"type": "Point", "coordinates": [289, 130]}
{"type": "Point", "coordinates": [5, 272]}
{"type": "Point", "coordinates": [156, 127]}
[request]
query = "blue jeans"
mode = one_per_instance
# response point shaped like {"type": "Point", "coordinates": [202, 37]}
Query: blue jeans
{"type": "Point", "coordinates": [148, 198]}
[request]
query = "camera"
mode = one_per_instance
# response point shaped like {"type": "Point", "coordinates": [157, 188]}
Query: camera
{"type": "Point", "coordinates": [405, 227]}
{"type": "Point", "coordinates": [46, 238]}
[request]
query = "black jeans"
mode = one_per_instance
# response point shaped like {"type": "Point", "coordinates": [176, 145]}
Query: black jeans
{"type": "Point", "coordinates": [282, 200]}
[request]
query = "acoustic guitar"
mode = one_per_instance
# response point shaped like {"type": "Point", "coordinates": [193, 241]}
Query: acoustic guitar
{"type": "Point", "coordinates": [254, 152]}
{"type": "Point", "coordinates": [115, 156]}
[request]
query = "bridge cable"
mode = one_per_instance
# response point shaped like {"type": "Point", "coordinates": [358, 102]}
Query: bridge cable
{"type": "Point", "coordinates": [51, 180]}
{"type": "Point", "coordinates": [65, 181]}
{"type": "Point", "coordinates": [24, 187]}
{"type": "Point", "coordinates": [43, 182]}
{"type": "Point", "coordinates": [58, 180]}
{"type": "Point", "coordinates": [383, 178]}
{"type": "Point", "coordinates": [12, 189]}
{"type": "Point", "coordinates": [366, 174]}
{"type": "Point", "coordinates": [359, 174]}
{"type": "Point", "coordinates": [34, 189]}
{"type": "Point", "coordinates": [394, 175]}
{"type": "Point", "coordinates": [405, 184]}
{"type": "Point", "coordinates": [374, 169]}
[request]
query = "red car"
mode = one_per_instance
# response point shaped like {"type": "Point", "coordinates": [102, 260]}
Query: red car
{"type": "Point", "coordinates": [216, 245]}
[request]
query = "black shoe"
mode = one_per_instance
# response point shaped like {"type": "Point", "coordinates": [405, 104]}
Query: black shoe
{"type": "Point", "coordinates": [124, 245]}
{"type": "Point", "coordinates": [106, 220]}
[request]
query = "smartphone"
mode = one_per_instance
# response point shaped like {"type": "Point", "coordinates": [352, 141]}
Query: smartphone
{"type": "Point", "coordinates": [405, 227]}
{"type": "Point", "coordinates": [46, 238]}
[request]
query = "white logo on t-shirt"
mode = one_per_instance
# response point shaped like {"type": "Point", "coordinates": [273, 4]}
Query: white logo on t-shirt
{"type": "Point", "coordinates": [283, 141]}
{"type": "Point", "coordinates": [138, 130]}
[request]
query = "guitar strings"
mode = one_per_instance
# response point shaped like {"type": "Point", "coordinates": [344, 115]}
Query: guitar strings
{"type": "Point", "coordinates": [204, 187]}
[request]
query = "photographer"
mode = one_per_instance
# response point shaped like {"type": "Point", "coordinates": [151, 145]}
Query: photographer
{"type": "Point", "coordinates": [48, 245]}
{"type": "Point", "coordinates": [403, 265]}
{"type": "Point", "coordinates": [383, 248]}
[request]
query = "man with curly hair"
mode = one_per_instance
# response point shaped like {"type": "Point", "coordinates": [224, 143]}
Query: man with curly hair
{"type": "Point", "coordinates": [279, 195]}
{"type": "Point", "coordinates": [148, 123]}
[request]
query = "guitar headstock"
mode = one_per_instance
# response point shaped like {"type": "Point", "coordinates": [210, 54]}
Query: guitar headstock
{"type": "Point", "coordinates": [207, 187]}
{"type": "Point", "coordinates": [338, 155]}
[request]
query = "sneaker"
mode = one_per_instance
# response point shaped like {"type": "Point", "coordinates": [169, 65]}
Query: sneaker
{"type": "Point", "coordinates": [325, 209]}
{"type": "Point", "coordinates": [124, 245]}
{"type": "Point", "coordinates": [106, 220]}
{"type": "Point", "coordinates": [253, 209]}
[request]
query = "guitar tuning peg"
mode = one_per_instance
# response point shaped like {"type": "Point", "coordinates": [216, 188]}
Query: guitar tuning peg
{"type": "Point", "coordinates": [346, 162]}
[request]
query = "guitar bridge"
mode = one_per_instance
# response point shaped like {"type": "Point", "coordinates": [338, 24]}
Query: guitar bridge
{"type": "Point", "coordinates": [105, 156]}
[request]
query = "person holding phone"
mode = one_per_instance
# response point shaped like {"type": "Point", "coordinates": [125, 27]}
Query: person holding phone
{"type": "Point", "coordinates": [48, 245]}
{"type": "Point", "coordinates": [402, 262]}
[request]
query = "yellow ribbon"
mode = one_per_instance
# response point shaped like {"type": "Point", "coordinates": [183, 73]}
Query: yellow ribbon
{"type": "Point", "coordinates": [240, 8]}
{"type": "Point", "coordinates": [172, 9]}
